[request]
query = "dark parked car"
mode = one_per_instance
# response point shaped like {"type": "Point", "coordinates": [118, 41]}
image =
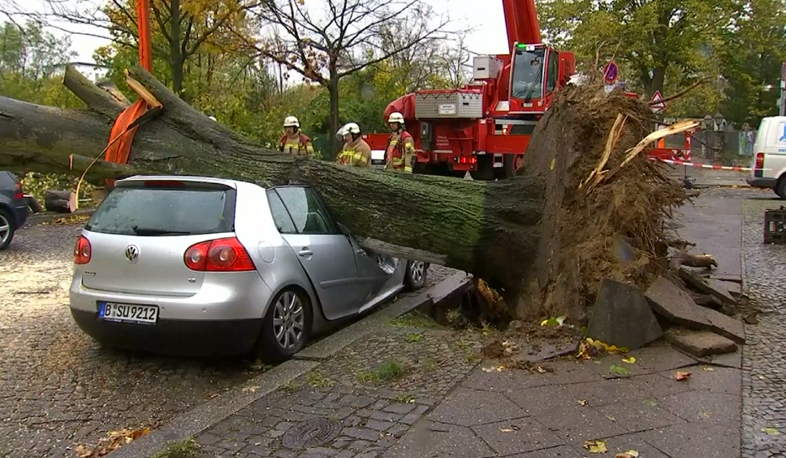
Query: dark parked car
{"type": "Point", "coordinates": [13, 207]}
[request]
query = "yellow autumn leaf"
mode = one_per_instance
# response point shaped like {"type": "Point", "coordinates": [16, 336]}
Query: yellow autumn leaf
{"type": "Point", "coordinates": [629, 360]}
{"type": "Point", "coordinates": [583, 402]}
{"type": "Point", "coordinates": [597, 446]}
{"type": "Point", "coordinates": [628, 454]}
{"type": "Point", "coordinates": [771, 431]}
{"type": "Point", "coordinates": [553, 163]}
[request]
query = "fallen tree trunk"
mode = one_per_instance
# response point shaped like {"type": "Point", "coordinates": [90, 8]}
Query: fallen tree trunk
{"type": "Point", "coordinates": [59, 201]}
{"type": "Point", "coordinates": [512, 233]}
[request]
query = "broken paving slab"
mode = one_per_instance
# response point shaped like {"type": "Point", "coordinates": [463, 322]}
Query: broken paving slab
{"type": "Point", "coordinates": [700, 343]}
{"type": "Point", "coordinates": [676, 305]}
{"type": "Point", "coordinates": [622, 317]}
{"type": "Point", "coordinates": [706, 286]}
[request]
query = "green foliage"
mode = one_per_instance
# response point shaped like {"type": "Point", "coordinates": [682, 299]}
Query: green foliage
{"type": "Point", "coordinates": [31, 65]}
{"type": "Point", "coordinates": [390, 371]}
{"type": "Point", "coordinates": [188, 448]}
{"type": "Point", "coordinates": [36, 184]}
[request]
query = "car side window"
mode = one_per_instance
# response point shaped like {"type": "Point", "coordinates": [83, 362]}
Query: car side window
{"type": "Point", "coordinates": [306, 209]}
{"type": "Point", "coordinates": [553, 72]}
{"type": "Point", "coordinates": [280, 214]}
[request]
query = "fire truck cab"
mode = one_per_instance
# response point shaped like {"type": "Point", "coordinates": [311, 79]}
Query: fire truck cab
{"type": "Point", "coordinates": [484, 127]}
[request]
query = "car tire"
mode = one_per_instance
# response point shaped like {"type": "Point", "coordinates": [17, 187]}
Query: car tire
{"type": "Point", "coordinates": [780, 188]}
{"type": "Point", "coordinates": [7, 229]}
{"type": "Point", "coordinates": [279, 327]}
{"type": "Point", "coordinates": [416, 275]}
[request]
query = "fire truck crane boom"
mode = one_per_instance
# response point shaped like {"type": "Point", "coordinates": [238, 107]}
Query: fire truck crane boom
{"type": "Point", "coordinates": [521, 21]}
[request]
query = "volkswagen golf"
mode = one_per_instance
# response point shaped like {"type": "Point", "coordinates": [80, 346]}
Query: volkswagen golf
{"type": "Point", "coordinates": [203, 266]}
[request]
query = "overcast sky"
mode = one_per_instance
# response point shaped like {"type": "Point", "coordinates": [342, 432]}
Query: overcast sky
{"type": "Point", "coordinates": [484, 17]}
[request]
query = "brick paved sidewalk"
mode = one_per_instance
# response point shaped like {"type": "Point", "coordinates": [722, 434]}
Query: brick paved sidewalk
{"type": "Point", "coordinates": [414, 392]}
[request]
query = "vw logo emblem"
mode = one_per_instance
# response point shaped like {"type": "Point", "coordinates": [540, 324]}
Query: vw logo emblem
{"type": "Point", "coordinates": [132, 253]}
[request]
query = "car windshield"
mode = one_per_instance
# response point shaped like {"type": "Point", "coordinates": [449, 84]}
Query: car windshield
{"type": "Point", "coordinates": [528, 74]}
{"type": "Point", "coordinates": [146, 211]}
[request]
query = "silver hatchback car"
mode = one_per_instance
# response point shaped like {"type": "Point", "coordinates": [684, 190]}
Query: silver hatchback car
{"type": "Point", "coordinates": [202, 266]}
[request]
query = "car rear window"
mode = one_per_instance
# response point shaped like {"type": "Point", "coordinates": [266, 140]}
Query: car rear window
{"type": "Point", "coordinates": [152, 211]}
{"type": "Point", "coordinates": [7, 180]}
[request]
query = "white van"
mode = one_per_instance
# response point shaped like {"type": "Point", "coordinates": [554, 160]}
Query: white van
{"type": "Point", "coordinates": [769, 161]}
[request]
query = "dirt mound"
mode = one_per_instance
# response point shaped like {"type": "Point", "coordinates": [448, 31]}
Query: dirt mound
{"type": "Point", "coordinates": [613, 231]}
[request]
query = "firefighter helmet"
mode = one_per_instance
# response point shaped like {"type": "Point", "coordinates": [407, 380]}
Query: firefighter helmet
{"type": "Point", "coordinates": [396, 117]}
{"type": "Point", "coordinates": [352, 128]}
{"type": "Point", "coordinates": [291, 121]}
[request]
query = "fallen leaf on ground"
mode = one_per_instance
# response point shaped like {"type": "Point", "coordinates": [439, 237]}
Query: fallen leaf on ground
{"type": "Point", "coordinates": [630, 360]}
{"type": "Point", "coordinates": [113, 441]}
{"type": "Point", "coordinates": [541, 370]}
{"type": "Point", "coordinates": [493, 369]}
{"type": "Point", "coordinates": [583, 402]}
{"type": "Point", "coordinates": [771, 431]}
{"type": "Point", "coordinates": [708, 368]}
{"type": "Point", "coordinates": [650, 402]}
{"type": "Point", "coordinates": [610, 417]}
{"type": "Point", "coordinates": [628, 454]}
{"type": "Point", "coordinates": [250, 389]}
{"type": "Point", "coordinates": [619, 370]}
{"type": "Point", "coordinates": [705, 415]}
{"type": "Point", "coordinates": [509, 429]}
{"type": "Point", "coordinates": [556, 321]}
{"type": "Point", "coordinates": [597, 446]}
{"type": "Point", "coordinates": [680, 376]}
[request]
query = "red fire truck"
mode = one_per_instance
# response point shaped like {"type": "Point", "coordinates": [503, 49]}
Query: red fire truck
{"type": "Point", "coordinates": [484, 128]}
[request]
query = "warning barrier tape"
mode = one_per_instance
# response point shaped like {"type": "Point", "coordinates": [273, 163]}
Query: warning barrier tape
{"type": "Point", "coordinates": [735, 168]}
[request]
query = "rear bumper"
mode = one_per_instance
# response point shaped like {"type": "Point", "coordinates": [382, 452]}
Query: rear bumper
{"type": "Point", "coordinates": [769, 183]}
{"type": "Point", "coordinates": [175, 337]}
{"type": "Point", "coordinates": [21, 211]}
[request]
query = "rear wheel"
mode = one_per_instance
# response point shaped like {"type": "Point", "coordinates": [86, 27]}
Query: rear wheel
{"type": "Point", "coordinates": [286, 328]}
{"type": "Point", "coordinates": [417, 272]}
{"type": "Point", "coordinates": [780, 188]}
{"type": "Point", "coordinates": [485, 169]}
{"type": "Point", "coordinates": [6, 229]}
{"type": "Point", "coordinates": [510, 164]}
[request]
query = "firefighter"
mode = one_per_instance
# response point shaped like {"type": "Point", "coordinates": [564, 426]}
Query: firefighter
{"type": "Point", "coordinates": [356, 151]}
{"type": "Point", "coordinates": [294, 141]}
{"type": "Point", "coordinates": [401, 146]}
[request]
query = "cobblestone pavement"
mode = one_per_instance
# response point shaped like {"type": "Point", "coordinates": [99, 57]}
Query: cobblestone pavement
{"type": "Point", "coordinates": [59, 388]}
{"type": "Point", "coordinates": [367, 396]}
{"type": "Point", "coordinates": [764, 377]}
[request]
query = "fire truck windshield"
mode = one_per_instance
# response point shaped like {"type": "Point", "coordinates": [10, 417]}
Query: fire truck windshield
{"type": "Point", "coordinates": [528, 73]}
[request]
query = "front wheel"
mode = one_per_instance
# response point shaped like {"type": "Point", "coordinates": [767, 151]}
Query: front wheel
{"type": "Point", "coordinates": [286, 327]}
{"type": "Point", "coordinates": [415, 277]}
{"type": "Point", "coordinates": [6, 229]}
{"type": "Point", "coordinates": [780, 188]}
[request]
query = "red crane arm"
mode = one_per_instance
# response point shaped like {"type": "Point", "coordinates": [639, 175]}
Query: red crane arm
{"type": "Point", "coordinates": [521, 21]}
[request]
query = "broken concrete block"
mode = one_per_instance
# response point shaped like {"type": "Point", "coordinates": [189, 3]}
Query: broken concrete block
{"type": "Point", "coordinates": [676, 305]}
{"type": "Point", "coordinates": [709, 301]}
{"type": "Point", "coordinates": [712, 287]}
{"type": "Point", "coordinates": [700, 343]}
{"type": "Point", "coordinates": [622, 317]}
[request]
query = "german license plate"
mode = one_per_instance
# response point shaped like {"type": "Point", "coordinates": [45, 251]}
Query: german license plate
{"type": "Point", "coordinates": [128, 313]}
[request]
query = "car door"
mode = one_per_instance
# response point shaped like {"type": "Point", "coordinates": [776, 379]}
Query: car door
{"type": "Point", "coordinates": [374, 270]}
{"type": "Point", "coordinates": [324, 252]}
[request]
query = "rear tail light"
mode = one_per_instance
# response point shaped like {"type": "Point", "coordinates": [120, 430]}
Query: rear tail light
{"type": "Point", "coordinates": [19, 193]}
{"type": "Point", "coordinates": [82, 251]}
{"type": "Point", "coordinates": [758, 169]}
{"type": "Point", "coordinates": [760, 161]}
{"type": "Point", "coordinates": [221, 255]}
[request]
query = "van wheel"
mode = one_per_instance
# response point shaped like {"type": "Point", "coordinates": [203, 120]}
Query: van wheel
{"type": "Point", "coordinates": [6, 229]}
{"type": "Point", "coordinates": [780, 188]}
{"type": "Point", "coordinates": [286, 327]}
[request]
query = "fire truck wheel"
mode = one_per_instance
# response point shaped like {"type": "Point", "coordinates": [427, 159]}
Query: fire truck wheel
{"type": "Point", "coordinates": [485, 168]}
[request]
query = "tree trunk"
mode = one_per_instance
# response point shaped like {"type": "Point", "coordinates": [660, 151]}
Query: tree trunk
{"type": "Point", "coordinates": [335, 146]}
{"type": "Point", "coordinates": [176, 57]}
{"type": "Point", "coordinates": [533, 236]}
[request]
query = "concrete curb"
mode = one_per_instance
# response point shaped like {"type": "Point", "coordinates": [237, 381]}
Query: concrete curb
{"type": "Point", "coordinates": [34, 219]}
{"type": "Point", "coordinates": [192, 422]}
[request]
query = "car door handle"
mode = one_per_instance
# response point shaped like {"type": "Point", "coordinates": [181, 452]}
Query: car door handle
{"type": "Point", "coordinates": [360, 251]}
{"type": "Point", "coordinates": [305, 252]}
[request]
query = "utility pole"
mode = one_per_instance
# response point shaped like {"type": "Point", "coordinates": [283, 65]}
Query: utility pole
{"type": "Point", "coordinates": [783, 90]}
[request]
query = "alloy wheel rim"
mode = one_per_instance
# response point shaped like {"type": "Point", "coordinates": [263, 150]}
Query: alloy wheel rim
{"type": "Point", "coordinates": [5, 229]}
{"type": "Point", "coordinates": [416, 270]}
{"type": "Point", "coordinates": [288, 320]}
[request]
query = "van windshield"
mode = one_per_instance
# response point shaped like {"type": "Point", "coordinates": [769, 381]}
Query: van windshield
{"type": "Point", "coordinates": [146, 211]}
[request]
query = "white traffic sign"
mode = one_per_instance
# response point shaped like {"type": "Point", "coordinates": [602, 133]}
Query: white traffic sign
{"type": "Point", "coordinates": [657, 103]}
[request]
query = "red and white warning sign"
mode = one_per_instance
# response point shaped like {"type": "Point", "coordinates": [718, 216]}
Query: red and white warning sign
{"type": "Point", "coordinates": [657, 103]}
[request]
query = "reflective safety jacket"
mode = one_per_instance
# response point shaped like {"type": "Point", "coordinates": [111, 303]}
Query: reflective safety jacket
{"type": "Point", "coordinates": [400, 151]}
{"type": "Point", "coordinates": [298, 146]}
{"type": "Point", "coordinates": [357, 154]}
